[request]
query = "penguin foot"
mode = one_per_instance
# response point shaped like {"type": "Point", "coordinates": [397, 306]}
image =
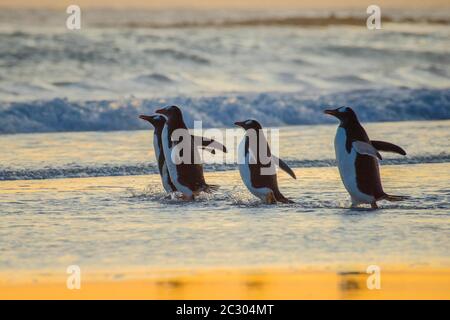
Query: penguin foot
{"type": "Point", "coordinates": [172, 196]}
{"type": "Point", "coordinates": [196, 193]}
{"type": "Point", "coordinates": [374, 205]}
{"type": "Point", "coordinates": [270, 198]}
{"type": "Point", "coordinates": [187, 198]}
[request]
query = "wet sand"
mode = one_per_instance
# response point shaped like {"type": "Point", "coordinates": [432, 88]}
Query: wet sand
{"type": "Point", "coordinates": [264, 283]}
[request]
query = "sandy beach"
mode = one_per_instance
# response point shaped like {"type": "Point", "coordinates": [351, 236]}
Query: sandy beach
{"type": "Point", "coordinates": [256, 283]}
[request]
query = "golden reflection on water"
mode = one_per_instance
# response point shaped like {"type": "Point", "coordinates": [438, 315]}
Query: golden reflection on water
{"type": "Point", "coordinates": [233, 282]}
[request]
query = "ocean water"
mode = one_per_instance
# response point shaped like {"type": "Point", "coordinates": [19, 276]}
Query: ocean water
{"type": "Point", "coordinates": [97, 154]}
{"type": "Point", "coordinates": [117, 216]}
{"type": "Point", "coordinates": [78, 182]}
{"type": "Point", "coordinates": [282, 67]}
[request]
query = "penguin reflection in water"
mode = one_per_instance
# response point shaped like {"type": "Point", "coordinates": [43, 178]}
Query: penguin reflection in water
{"type": "Point", "coordinates": [186, 176]}
{"type": "Point", "coordinates": [257, 165]}
{"type": "Point", "coordinates": [357, 159]}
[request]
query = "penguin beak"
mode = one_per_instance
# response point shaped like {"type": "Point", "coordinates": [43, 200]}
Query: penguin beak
{"type": "Point", "coordinates": [147, 118]}
{"type": "Point", "coordinates": [162, 111]}
{"type": "Point", "coordinates": [331, 112]}
{"type": "Point", "coordinates": [239, 124]}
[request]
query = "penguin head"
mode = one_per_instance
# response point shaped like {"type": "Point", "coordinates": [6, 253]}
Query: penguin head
{"type": "Point", "coordinates": [156, 120]}
{"type": "Point", "coordinates": [171, 113]}
{"type": "Point", "coordinates": [249, 124]}
{"type": "Point", "coordinates": [344, 114]}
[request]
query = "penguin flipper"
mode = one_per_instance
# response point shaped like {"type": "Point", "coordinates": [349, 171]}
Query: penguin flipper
{"type": "Point", "coordinates": [284, 166]}
{"type": "Point", "coordinates": [210, 144]}
{"type": "Point", "coordinates": [366, 148]}
{"type": "Point", "coordinates": [388, 147]}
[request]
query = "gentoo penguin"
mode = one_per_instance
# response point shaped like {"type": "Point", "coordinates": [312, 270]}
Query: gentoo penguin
{"type": "Point", "coordinates": [158, 122]}
{"type": "Point", "coordinates": [257, 170]}
{"type": "Point", "coordinates": [357, 159]}
{"type": "Point", "coordinates": [187, 176]}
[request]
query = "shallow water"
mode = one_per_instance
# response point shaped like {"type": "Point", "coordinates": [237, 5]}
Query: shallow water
{"type": "Point", "coordinates": [90, 154]}
{"type": "Point", "coordinates": [120, 222]}
{"type": "Point", "coordinates": [126, 221]}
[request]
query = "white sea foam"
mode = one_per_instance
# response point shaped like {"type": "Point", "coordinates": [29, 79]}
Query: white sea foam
{"type": "Point", "coordinates": [143, 169]}
{"type": "Point", "coordinates": [272, 109]}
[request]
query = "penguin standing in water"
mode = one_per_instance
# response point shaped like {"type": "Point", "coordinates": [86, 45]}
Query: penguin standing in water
{"type": "Point", "coordinates": [158, 121]}
{"type": "Point", "coordinates": [257, 166]}
{"type": "Point", "coordinates": [357, 159]}
{"type": "Point", "coordinates": [187, 176]}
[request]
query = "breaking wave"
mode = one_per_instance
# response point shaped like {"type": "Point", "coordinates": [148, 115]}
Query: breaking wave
{"type": "Point", "coordinates": [271, 109]}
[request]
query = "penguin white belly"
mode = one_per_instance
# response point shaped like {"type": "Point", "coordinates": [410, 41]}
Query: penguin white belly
{"type": "Point", "coordinates": [165, 178]}
{"type": "Point", "coordinates": [156, 147]}
{"type": "Point", "coordinates": [171, 166]}
{"type": "Point", "coordinates": [347, 168]}
{"type": "Point", "coordinates": [245, 173]}
{"type": "Point", "coordinates": [164, 173]}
